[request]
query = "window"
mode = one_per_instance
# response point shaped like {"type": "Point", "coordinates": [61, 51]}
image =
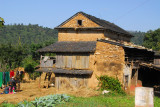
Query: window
{"type": "Point", "coordinates": [79, 22]}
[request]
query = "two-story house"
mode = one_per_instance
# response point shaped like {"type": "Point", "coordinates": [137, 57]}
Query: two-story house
{"type": "Point", "coordinates": [89, 47]}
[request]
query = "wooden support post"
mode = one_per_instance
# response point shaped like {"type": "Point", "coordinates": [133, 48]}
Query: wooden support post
{"type": "Point", "coordinates": [40, 61]}
{"type": "Point", "coordinates": [136, 77]}
{"type": "Point", "coordinates": [130, 77]}
{"type": "Point", "coordinates": [47, 83]}
{"type": "Point", "coordinates": [40, 82]}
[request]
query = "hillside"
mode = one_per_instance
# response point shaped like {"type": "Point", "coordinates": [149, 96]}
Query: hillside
{"type": "Point", "coordinates": [138, 37]}
{"type": "Point", "coordinates": [152, 39]}
{"type": "Point", "coordinates": [27, 34]}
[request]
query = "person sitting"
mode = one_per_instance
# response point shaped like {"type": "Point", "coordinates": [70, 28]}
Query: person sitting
{"type": "Point", "coordinates": [6, 90]}
{"type": "Point", "coordinates": [13, 83]}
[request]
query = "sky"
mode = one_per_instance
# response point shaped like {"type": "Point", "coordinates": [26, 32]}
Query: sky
{"type": "Point", "coordinates": [133, 15]}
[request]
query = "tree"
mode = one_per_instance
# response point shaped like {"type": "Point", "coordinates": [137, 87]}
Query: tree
{"type": "Point", "coordinates": [138, 37]}
{"type": "Point", "coordinates": [28, 34]}
{"type": "Point", "coordinates": [152, 40]}
{"type": "Point", "coordinates": [11, 56]}
{"type": "Point", "coordinates": [1, 22]}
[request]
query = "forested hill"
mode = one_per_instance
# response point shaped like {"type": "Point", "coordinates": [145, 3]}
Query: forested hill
{"type": "Point", "coordinates": [138, 37]}
{"type": "Point", "coordinates": [26, 34]}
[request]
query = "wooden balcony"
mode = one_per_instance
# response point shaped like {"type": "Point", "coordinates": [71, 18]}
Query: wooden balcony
{"type": "Point", "coordinates": [47, 61]}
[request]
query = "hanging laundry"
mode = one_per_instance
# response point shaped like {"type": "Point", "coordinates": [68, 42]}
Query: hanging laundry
{"type": "Point", "coordinates": [7, 77]}
{"type": "Point", "coordinates": [4, 78]}
{"type": "Point", "coordinates": [1, 78]}
{"type": "Point", "coordinates": [11, 73]}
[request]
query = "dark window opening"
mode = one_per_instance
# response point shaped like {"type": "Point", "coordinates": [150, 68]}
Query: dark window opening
{"type": "Point", "coordinates": [79, 22]}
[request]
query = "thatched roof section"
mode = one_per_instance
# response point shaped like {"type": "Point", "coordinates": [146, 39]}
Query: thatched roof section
{"type": "Point", "coordinates": [65, 71]}
{"type": "Point", "coordinates": [106, 25]}
{"type": "Point", "coordinates": [69, 46]}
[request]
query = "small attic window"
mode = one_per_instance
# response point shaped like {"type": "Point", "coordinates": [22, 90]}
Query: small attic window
{"type": "Point", "coordinates": [79, 22]}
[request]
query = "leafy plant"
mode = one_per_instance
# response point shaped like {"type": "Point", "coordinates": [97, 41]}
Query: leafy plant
{"type": "Point", "coordinates": [110, 83]}
{"type": "Point", "coordinates": [46, 101]}
{"type": "Point", "coordinates": [50, 100]}
{"type": "Point", "coordinates": [25, 104]}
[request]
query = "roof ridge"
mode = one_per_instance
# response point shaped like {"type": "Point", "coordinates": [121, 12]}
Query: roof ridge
{"type": "Point", "coordinates": [103, 23]}
{"type": "Point", "coordinates": [107, 22]}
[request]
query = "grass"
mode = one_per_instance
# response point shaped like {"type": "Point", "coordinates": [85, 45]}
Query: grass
{"type": "Point", "coordinates": [7, 105]}
{"type": "Point", "coordinates": [110, 100]}
{"type": "Point", "coordinates": [101, 101]}
{"type": "Point", "coordinates": [156, 102]}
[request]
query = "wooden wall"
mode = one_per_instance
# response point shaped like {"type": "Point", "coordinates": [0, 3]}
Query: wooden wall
{"type": "Point", "coordinates": [70, 81]}
{"type": "Point", "coordinates": [48, 63]}
{"type": "Point", "coordinates": [157, 61]}
{"type": "Point", "coordinates": [75, 61]}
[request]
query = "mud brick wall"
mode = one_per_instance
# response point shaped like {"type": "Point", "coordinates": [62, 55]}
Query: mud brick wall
{"type": "Point", "coordinates": [107, 60]}
{"type": "Point", "coordinates": [80, 35]}
{"type": "Point", "coordinates": [85, 22]}
{"type": "Point", "coordinates": [73, 35]}
{"type": "Point", "coordinates": [115, 36]}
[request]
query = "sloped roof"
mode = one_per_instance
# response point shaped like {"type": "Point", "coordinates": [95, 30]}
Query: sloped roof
{"type": "Point", "coordinates": [125, 45]}
{"type": "Point", "coordinates": [65, 71]}
{"type": "Point", "coordinates": [70, 46]}
{"type": "Point", "coordinates": [103, 23]}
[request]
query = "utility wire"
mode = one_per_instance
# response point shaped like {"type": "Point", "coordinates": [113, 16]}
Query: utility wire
{"type": "Point", "coordinates": [131, 10]}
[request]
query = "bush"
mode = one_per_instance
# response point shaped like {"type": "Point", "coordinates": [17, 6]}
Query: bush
{"type": "Point", "coordinates": [110, 83]}
{"type": "Point", "coordinates": [34, 75]}
{"type": "Point", "coordinates": [29, 65]}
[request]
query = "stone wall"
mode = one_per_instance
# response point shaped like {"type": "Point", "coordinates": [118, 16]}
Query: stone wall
{"type": "Point", "coordinates": [107, 60]}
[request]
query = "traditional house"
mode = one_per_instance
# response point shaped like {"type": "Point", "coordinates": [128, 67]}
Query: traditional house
{"type": "Point", "coordinates": [88, 47]}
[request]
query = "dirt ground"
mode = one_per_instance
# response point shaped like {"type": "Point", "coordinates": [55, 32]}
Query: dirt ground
{"type": "Point", "coordinates": [30, 90]}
